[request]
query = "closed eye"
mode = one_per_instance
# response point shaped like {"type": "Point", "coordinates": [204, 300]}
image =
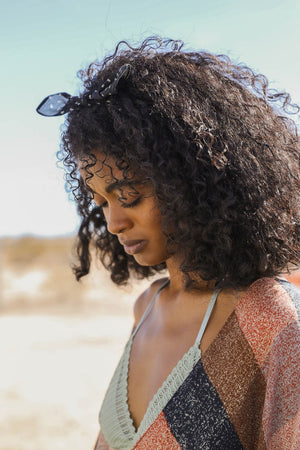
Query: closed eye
{"type": "Point", "coordinates": [123, 204]}
{"type": "Point", "coordinates": [132, 204]}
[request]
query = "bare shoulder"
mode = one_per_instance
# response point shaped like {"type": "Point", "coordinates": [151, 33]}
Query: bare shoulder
{"type": "Point", "coordinates": [143, 300]}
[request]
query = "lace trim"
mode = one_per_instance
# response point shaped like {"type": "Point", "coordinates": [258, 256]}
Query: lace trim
{"type": "Point", "coordinates": [169, 387]}
{"type": "Point", "coordinates": [116, 423]}
{"type": "Point", "coordinates": [115, 420]}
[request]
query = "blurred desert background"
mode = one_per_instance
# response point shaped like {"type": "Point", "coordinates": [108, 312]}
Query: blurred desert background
{"type": "Point", "coordinates": [59, 343]}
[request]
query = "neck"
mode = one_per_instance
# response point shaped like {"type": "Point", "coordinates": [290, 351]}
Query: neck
{"type": "Point", "coordinates": [177, 282]}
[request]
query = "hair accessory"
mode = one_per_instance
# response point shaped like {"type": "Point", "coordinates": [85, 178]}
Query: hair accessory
{"type": "Point", "coordinates": [61, 103]}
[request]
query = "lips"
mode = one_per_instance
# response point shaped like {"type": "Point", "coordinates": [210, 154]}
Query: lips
{"type": "Point", "coordinates": [133, 246]}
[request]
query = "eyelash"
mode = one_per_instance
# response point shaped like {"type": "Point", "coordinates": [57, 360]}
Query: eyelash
{"type": "Point", "coordinates": [125, 205]}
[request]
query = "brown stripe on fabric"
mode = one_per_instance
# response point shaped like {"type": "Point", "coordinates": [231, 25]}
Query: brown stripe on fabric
{"type": "Point", "coordinates": [233, 370]}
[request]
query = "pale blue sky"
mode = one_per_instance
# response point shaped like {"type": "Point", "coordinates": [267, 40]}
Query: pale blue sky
{"type": "Point", "coordinates": [44, 44]}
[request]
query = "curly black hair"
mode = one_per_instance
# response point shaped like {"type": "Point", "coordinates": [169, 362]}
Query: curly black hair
{"type": "Point", "coordinates": [219, 148]}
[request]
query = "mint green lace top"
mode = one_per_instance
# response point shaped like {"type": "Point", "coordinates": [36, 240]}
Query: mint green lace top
{"type": "Point", "coordinates": [115, 421]}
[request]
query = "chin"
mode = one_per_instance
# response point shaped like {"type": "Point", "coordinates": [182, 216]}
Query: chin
{"type": "Point", "coordinates": [144, 260]}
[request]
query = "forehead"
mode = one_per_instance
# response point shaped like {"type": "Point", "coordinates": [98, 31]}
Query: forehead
{"type": "Point", "coordinates": [98, 168]}
{"type": "Point", "coordinates": [97, 161]}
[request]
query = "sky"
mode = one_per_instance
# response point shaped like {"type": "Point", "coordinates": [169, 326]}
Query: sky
{"type": "Point", "coordinates": [45, 43]}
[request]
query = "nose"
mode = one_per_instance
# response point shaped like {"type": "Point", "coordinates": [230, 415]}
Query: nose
{"type": "Point", "coordinates": [117, 219]}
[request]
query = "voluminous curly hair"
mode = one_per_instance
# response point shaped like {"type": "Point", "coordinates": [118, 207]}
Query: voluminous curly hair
{"type": "Point", "coordinates": [219, 149]}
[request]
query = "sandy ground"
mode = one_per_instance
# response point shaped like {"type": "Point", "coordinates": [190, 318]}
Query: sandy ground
{"type": "Point", "coordinates": [54, 372]}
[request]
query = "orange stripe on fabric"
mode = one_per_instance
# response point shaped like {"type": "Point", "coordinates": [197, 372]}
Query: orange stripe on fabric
{"type": "Point", "coordinates": [282, 372]}
{"type": "Point", "coordinates": [158, 436]}
{"type": "Point", "coordinates": [287, 437]}
{"type": "Point", "coordinates": [263, 312]}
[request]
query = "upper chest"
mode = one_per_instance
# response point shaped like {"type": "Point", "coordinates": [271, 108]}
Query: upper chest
{"type": "Point", "coordinates": [156, 350]}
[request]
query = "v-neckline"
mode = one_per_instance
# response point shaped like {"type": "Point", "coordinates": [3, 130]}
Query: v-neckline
{"type": "Point", "coordinates": [193, 352]}
{"type": "Point", "coordinates": [188, 361]}
{"type": "Point", "coordinates": [115, 417]}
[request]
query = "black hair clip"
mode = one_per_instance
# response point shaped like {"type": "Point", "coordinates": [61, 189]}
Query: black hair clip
{"type": "Point", "coordinates": [61, 103]}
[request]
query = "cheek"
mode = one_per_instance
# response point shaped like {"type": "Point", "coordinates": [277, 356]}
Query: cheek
{"type": "Point", "coordinates": [155, 228]}
{"type": "Point", "coordinates": [156, 224]}
{"type": "Point", "coordinates": [154, 216]}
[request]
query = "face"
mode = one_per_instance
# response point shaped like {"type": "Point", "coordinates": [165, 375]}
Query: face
{"type": "Point", "coordinates": [129, 208]}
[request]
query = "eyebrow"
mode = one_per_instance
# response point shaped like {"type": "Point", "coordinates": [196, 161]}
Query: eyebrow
{"type": "Point", "coordinates": [118, 184]}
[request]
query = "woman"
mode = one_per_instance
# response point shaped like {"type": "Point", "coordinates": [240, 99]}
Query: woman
{"type": "Point", "coordinates": [189, 162]}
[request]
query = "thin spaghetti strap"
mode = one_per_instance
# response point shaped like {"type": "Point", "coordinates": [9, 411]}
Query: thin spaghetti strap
{"type": "Point", "coordinates": [149, 307]}
{"type": "Point", "coordinates": [207, 315]}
